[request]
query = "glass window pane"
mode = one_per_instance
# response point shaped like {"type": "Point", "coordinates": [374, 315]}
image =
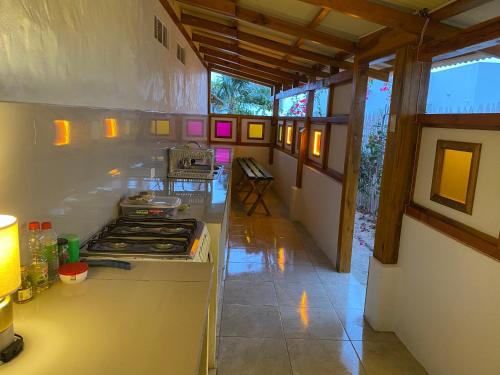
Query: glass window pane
{"type": "Point", "coordinates": [234, 96]}
{"type": "Point", "coordinates": [293, 106]}
{"type": "Point", "coordinates": [255, 131]}
{"type": "Point", "coordinates": [470, 86]}
{"type": "Point", "coordinates": [455, 175]}
{"type": "Point", "coordinates": [194, 128]}
{"type": "Point", "coordinates": [223, 129]}
{"type": "Point", "coordinates": [317, 143]}
{"type": "Point", "coordinates": [320, 102]}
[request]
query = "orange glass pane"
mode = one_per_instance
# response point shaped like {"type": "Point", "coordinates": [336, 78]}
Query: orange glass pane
{"type": "Point", "coordinates": [111, 128]}
{"type": "Point", "coordinates": [289, 133]}
{"type": "Point", "coordinates": [317, 143]}
{"type": "Point", "coordinates": [63, 133]}
{"type": "Point", "coordinates": [280, 133]}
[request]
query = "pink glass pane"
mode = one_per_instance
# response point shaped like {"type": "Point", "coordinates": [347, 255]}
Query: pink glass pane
{"type": "Point", "coordinates": [194, 128]}
{"type": "Point", "coordinates": [223, 129]}
{"type": "Point", "coordinates": [222, 155]}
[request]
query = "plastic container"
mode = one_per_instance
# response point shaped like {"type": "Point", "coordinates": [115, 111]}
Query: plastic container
{"type": "Point", "coordinates": [73, 247]}
{"type": "Point", "coordinates": [48, 241]}
{"type": "Point", "coordinates": [160, 206]}
{"type": "Point", "coordinates": [39, 269]}
{"type": "Point", "coordinates": [73, 273]}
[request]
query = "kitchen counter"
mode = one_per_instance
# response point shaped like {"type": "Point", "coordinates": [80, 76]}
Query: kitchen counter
{"type": "Point", "coordinates": [150, 320]}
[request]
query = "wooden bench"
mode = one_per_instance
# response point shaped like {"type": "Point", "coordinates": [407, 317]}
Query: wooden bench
{"type": "Point", "coordinates": [259, 180]}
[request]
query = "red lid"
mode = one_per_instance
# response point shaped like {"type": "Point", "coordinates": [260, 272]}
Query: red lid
{"type": "Point", "coordinates": [71, 269]}
{"type": "Point", "coordinates": [34, 225]}
{"type": "Point", "coordinates": [46, 225]}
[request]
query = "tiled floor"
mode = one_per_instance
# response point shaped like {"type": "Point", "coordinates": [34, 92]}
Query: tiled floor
{"type": "Point", "coordinates": [286, 311]}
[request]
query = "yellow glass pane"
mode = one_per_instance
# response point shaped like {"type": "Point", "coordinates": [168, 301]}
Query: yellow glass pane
{"type": "Point", "coordinates": [317, 143]}
{"type": "Point", "coordinates": [455, 175]}
{"type": "Point", "coordinates": [280, 133]}
{"type": "Point", "coordinates": [160, 127]}
{"type": "Point", "coordinates": [255, 131]}
{"type": "Point", "coordinates": [289, 133]}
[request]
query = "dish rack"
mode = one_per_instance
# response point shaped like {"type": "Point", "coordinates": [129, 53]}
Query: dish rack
{"type": "Point", "coordinates": [184, 162]}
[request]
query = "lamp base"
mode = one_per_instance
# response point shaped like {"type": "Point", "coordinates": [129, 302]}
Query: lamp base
{"type": "Point", "coordinates": [10, 344]}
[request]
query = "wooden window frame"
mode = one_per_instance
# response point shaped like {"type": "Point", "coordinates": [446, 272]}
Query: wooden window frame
{"type": "Point", "coordinates": [256, 123]}
{"type": "Point", "coordinates": [441, 146]}
{"type": "Point", "coordinates": [230, 129]}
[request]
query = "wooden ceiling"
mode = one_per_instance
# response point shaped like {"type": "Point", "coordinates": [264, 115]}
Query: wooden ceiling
{"type": "Point", "coordinates": [291, 42]}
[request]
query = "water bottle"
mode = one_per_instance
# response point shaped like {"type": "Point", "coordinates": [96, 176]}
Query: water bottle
{"type": "Point", "coordinates": [39, 266]}
{"type": "Point", "coordinates": [49, 247]}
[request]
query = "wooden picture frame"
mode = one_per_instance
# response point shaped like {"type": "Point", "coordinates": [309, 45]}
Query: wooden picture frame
{"type": "Point", "coordinates": [439, 161]}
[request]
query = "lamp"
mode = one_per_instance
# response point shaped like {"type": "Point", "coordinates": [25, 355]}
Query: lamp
{"type": "Point", "coordinates": [10, 280]}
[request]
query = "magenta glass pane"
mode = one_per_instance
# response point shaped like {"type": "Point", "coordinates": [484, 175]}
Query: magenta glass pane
{"type": "Point", "coordinates": [223, 129]}
{"type": "Point", "coordinates": [194, 128]}
{"type": "Point", "coordinates": [222, 155]}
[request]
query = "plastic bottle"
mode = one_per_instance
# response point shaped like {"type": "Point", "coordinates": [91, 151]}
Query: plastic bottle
{"type": "Point", "coordinates": [49, 247]}
{"type": "Point", "coordinates": [39, 267]}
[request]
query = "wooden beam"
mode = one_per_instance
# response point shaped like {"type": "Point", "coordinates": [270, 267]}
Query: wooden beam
{"type": "Point", "coordinates": [387, 16]}
{"type": "Point", "coordinates": [242, 75]}
{"type": "Point", "coordinates": [351, 166]}
{"type": "Point", "coordinates": [256, 72]}
{"type": "Point", "coordinates": [240, 61]}
{"type": "Point", "coordinates": [230, 9]}
{"type": "Point", "coordinates": [473, 121]}
{"type": "Point", "coordinates": [171, 12]}
{"type": "Point", "coordinates": [249, 64]}
{"type": "Point", "coordinates": [229, 45]}
{"type": "Point", "coordinates": [304, 140]}
{"type": "Point", "coordinates": [336, 79]}
{"type": "Point", "coordinates": [483, 35]}
{"type": "Point", "coordinates": [456, 7]}
{"type": "Point", "coordinates": [409, 93]}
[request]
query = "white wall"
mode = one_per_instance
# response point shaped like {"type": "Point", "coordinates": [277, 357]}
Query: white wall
{"type": "Point", "coordinates": [284, 170]}
{"type": "Point", "coordinates": [445, 295]}
{"type": "Point", "coordinates": [98, 54]}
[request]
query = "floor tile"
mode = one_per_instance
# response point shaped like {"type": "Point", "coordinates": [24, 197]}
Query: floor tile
{"type": "Point", "coordinates": [253, 356]}
{"type": "Point", "coordinates": [248, 255]}
{"type": "Point", "coordinates": [249, 293]}
{"type": "Point", "coordinates": [295, 273]}
{"type": "Point", "coordinates": [283, 255]}
{"type": "Point", "coordinates": [248, 272]}
{"type": "Point", "coordinates": [348, 296]}
{"type": "Point", "coordinates": [305, 322]}
{"type": "Point", "coordinates": [293, 294]}
{"type": "Point", "coordinates": [323, 357]}
{"type": "Point", "coordinates": [357, 327]}
{"type": "Point", "coordinates": [251, 321]}
{"type": "Point", "coordinates": [387, 358]}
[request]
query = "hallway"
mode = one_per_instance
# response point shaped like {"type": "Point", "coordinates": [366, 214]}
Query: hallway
{"type": "Point", "coordinates": [286, 311]}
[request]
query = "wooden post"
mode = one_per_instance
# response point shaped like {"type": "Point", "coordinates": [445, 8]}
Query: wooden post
{"type": "Point", "coordinates": [409, 94]}
{"type": "Point", "coordinates": [274, 126]}
{"type": "Point", "coordinates": [304, 139]}
{"type": "Point", "coordinates": [351, 166]}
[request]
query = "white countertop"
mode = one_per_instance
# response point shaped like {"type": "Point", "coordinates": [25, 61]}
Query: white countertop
{"type": "Point", "coordinates": [149, 320]}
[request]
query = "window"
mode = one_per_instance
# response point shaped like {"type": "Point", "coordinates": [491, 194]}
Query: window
{"type": "Point", "coordinates": [161, 32]}
{"type": "Point", "coordinates": [321, 102]}
{"type": "Point", "coordinates": [255, 130]}
{"type": "Point", "coordinates": [62, 135]}
{"type": "Point", "coordinates": [289, 134]}
{"type": "Point", "coordinates": [194, 128]}
{"type": "Point", "coordinates": [111, 128]}
{"type": "Point", "coordinates": [293, 106]}
{"type": "Point", "coordinates": [181, 54]}
{"type": "Point", "coordinates": [280, 133]}
{"type": "Point", "coordinates": [235, 96]}
{"type": "Point", "coordinates": [223, 129]}
{"type": "Point", "coordinates": [316, 143]}
{"type": "Point", "coordinates": [455, 173]}
{"type": "Point", "coordinates": [160, 127]}
{"type": "Point", "coordinates": [466, 86]}
{"type": "Point", "coordinates": [222, 155]}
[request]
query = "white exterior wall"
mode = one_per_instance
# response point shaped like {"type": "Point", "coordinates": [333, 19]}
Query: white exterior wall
{"type": "Point", "coordinates": [97, 54]}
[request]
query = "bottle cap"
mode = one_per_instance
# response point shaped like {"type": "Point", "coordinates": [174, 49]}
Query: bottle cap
{"type": "Point", "coordinates": [46, 225]}
{"type": "Point", "coordinates": [34, 225]}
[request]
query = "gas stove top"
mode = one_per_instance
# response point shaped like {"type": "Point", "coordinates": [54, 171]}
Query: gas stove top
{"type": "Point", "coordinates": [147, 237]}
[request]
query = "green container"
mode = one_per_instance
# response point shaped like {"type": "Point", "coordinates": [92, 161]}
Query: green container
{"type": "Point", "coordinates": [73, 247]}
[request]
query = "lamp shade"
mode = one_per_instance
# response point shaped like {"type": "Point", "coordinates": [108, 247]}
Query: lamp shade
{"type": "Point", "coordinates": [10, 269]}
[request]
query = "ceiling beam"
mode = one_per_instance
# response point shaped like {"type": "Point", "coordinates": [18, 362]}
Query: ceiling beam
{"type": "Point", "coordinates": [387, 16]}
{"type": "Point", "coordinates": [219, 28]}
{"type": "Point", "coordinates": [478, 37]}
{"type": "Point", "coordinates": [456, 7]}
{"type": "Point", "coordinates": [230, 9]}
{"type": "Point", "coordinates": [231, 46]}
{"type": "Point", "coordinates": [249, 64]}
{"type": "Point", "coordinates": [257, 72]}
{"type": "Point", "coordinates": [336, 79]}
{"type": "Point", "coordinates": [242, 75]}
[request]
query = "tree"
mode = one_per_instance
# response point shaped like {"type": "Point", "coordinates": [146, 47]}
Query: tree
{"type": "Point", "coordinates": [239, 97]}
